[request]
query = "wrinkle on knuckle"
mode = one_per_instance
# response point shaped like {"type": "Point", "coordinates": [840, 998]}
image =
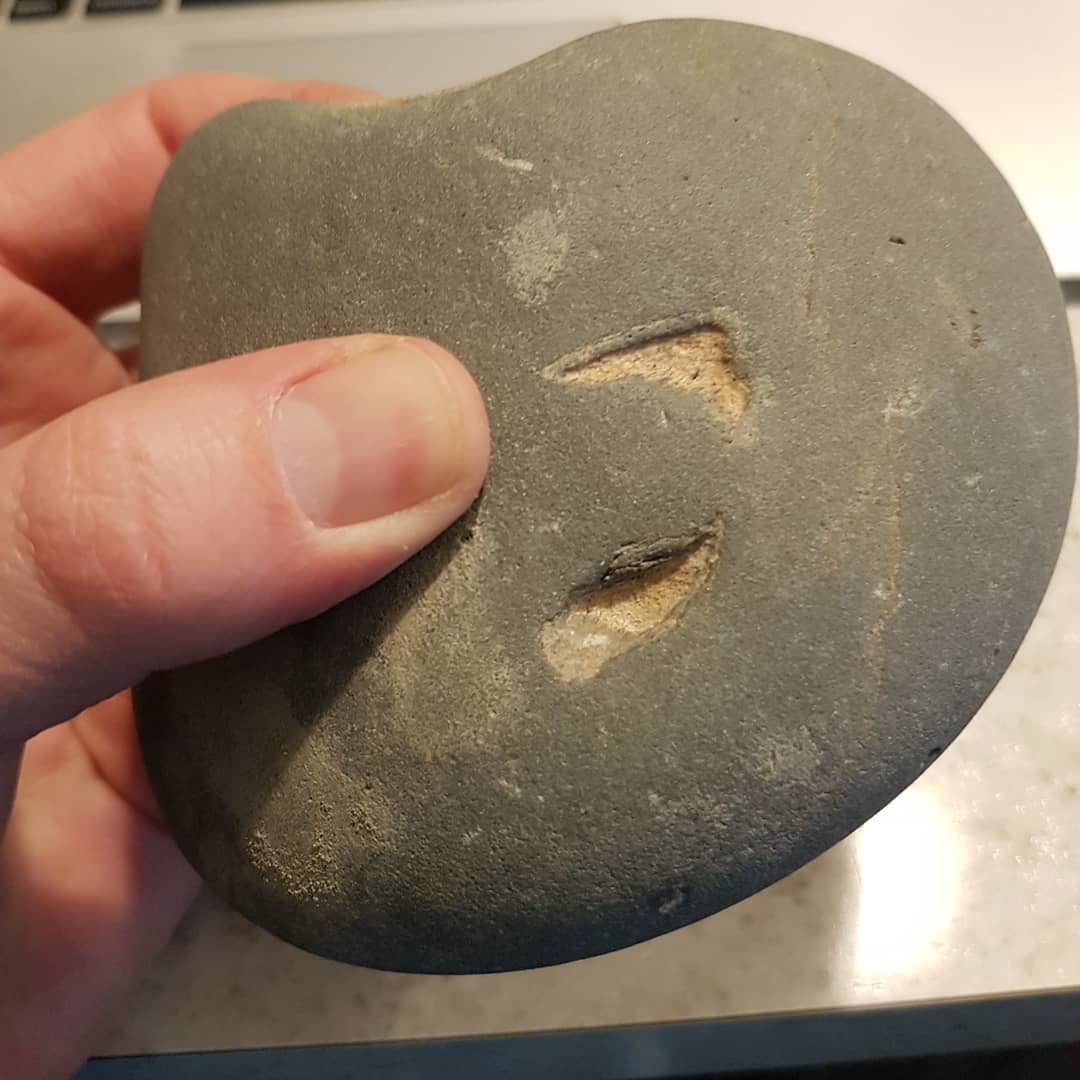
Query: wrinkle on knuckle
{"type": "Point", "coordinates": [90, 520]}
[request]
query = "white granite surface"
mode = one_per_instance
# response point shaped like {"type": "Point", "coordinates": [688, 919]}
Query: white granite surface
{"type": "Point", "coordinates": [966, 885]}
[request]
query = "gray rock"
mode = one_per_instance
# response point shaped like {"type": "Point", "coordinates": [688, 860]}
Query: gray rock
{"type": "Point", "coordinates": [784, 431]}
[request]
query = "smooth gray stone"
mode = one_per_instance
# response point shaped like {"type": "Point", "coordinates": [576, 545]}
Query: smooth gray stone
{"type": "Point", "coordinates": [817, 555]}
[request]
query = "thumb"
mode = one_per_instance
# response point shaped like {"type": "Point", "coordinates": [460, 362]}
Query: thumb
{"type": "Point", "coordinates": [191, 514]}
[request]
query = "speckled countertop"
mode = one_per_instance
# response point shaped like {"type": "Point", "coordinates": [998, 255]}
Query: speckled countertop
{"type": "Point", "coordinates": [966, 885]}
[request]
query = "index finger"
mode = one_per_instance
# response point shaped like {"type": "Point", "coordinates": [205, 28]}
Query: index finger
{"type": "Point", "coordinates": [73, 200]}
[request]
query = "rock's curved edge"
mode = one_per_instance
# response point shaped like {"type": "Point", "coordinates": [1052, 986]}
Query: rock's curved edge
{"type": "Point", "coordinates": [237, 115]}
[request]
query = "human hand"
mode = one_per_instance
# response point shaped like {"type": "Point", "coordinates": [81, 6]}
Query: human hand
{"type": "Point", "coordinates": [148, 526]}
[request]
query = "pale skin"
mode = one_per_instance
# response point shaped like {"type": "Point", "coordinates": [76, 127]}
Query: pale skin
{"type": "Point", "coordinates": [118, 557]}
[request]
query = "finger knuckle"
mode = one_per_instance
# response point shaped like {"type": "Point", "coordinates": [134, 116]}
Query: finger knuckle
{"type": "Point", "coordinates": [90, 517]}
